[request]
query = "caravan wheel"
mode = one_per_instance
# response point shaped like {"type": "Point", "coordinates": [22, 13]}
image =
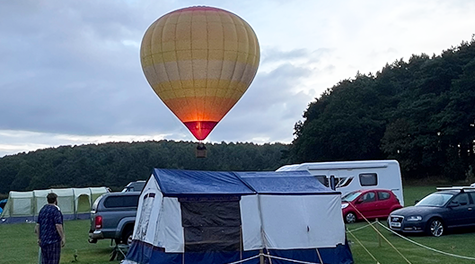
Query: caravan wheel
{"type": "Point", "coordinates": [350, 218]}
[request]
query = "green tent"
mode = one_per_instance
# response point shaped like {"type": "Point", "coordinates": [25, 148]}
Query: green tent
{"type": "Point", "coordinates": [75, 203]}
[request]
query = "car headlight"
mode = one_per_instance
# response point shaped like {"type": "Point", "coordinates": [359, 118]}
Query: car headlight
{"type": "Point", "coordinates": [344, 205]}
{"type": "Point", "coordinates": [414, 218]}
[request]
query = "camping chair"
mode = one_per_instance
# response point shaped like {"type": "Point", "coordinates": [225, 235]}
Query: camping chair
{"type": "Point", "coordinates": [119, 251]}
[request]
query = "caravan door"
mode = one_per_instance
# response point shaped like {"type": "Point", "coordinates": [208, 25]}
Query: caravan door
{"type": "Point", "coordinates": [346, 181]}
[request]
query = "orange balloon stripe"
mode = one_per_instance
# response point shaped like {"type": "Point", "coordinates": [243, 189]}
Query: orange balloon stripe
{"type": "Point", "coordinates": [198, 108]}
{"type": "Point", "coordinates": [184, 89]}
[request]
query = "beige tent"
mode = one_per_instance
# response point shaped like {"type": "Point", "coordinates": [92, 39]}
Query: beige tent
{"type": "Point", "coordinates": [75, 203]}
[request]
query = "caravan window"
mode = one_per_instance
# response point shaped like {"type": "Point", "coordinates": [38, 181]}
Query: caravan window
{"type": "Point", "coordinates": [323, 179]}
{"type": "Point", "coordinates": [368, 179]}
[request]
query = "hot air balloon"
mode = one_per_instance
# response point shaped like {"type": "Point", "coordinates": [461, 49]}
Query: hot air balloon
{"type": "Point", "coordinates": [200, 61]}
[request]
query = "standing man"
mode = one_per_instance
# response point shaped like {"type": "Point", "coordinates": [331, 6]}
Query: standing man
{"type": "Point", "coordinates": [49, 229]}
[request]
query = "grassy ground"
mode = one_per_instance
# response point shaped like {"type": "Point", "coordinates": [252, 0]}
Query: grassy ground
{"type": "Point", "coordinates": [18, 243]}
{"type": "Point", "coordinates": [408, 252]}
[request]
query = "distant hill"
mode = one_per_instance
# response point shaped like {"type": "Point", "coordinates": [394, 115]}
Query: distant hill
{"type": "Point", "coordinates": [116, 164]}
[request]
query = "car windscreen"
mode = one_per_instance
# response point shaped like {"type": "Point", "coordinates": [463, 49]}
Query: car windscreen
{"type": "Point", "coordinates": [350, 196]}
{"type": "Point", "coordinates": [435, 199]}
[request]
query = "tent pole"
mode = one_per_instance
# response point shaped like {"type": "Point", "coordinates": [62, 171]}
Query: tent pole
{"type": "Point", "coordinates": [183, 255]}
{"type": "Point", "coordinates": [75, 209]}
{"type": "Point", "coordinates": [241, 242]}
{"type": "Point", "coordinates": [263, 237]}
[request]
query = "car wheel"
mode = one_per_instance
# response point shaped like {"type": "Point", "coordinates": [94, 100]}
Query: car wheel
{"type": "Point", "coordinates": [435, 227]}
{"type": "Point", "coordinates": [350, 218]}
{"type": "Point", "coordinates": [127, 239]}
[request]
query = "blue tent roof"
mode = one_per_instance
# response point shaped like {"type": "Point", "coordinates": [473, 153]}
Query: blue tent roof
{"type": "Point", "coordinates": [179, 182]}
{"type": "Point", "coordinates": [188, 182]}
{"type": "Point", "coordinates": [286, 182]}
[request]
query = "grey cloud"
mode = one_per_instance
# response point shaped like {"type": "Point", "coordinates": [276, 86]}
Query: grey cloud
{"type": "Point", "coordinates": [269, 109]}
{"type": "Point", "coordinates": [69, 71]}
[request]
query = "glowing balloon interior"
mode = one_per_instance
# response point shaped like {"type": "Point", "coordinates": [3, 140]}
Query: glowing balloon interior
{"type": "Point", "coordinates": [200, 61]}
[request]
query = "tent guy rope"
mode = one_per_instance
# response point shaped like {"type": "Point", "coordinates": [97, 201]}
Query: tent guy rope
{"type": "Point", "coordinates": [381, 235]}
{"type": "Point", "coordinates": [426, 247]}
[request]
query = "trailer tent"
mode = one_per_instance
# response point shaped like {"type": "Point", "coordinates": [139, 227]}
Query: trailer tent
{"type": "Point", "coordinates": [223, 217]}
{"type": "Point", "coordinates": [75, 203]}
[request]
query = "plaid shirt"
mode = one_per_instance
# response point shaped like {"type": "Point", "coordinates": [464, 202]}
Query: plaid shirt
{"type": "Point", "coordinates": [49, 216]}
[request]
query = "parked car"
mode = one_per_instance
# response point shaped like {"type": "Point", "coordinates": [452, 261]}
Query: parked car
{"type": "Point", "coordinates": [371, 203]}
{"type": "Point", "coordinates": [136, 186]}
{"type": "Point", "coordinates": [113, 217]}
{"type": "Point", "coordinates": [448, 208]}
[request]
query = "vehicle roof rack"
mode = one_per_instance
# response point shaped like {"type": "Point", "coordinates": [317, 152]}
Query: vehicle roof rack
{"type": "Point", "coordinates": [461, 188]}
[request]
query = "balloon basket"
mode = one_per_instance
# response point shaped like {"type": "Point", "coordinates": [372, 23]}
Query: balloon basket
{"type": "Point", "coordinates": [200, 151]}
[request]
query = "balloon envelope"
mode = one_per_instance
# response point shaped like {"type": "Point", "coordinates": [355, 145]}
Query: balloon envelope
{"type": "Point", "coordinates": [200, 61]}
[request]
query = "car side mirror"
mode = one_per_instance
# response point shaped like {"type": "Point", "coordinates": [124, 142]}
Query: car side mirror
{"type": "Point", "coordinates": [454, 204]}
{"type": "Point", "coordinates": [416, 201]}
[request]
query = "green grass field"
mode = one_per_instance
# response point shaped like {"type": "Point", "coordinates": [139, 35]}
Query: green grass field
{"type": "Point", "coordinates": [18, 243]}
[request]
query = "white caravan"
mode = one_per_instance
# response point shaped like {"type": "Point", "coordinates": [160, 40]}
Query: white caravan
{"type": "Point", "coordinates": [355, 175]}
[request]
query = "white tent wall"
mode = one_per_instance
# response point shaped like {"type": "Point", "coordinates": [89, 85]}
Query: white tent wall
{"type": "Point", "coordinates": [173, 234]}
{"type": "Point", "coordinates": [252, 234]}
{"type": "Point", "coordinates": [310, 221]}
{"type": "Point", "coordinates": [65, 200]}
{"type": "Point", "coordinates": [19, 204]}
{"type": "Point", "coordinates": [164, 213]}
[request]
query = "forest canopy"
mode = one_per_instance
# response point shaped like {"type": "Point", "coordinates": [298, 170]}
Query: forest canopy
{"type": "Point", "coordinates": [420, 112]}
{"type": "Point", "coordinates": [116, 164]}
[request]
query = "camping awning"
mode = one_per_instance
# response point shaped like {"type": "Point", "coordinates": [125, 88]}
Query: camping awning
{"type": "Point", "coordinates": [187, 182]}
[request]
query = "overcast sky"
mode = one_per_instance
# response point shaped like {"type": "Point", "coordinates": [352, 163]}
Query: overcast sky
{"type": "Point", "coordinates": [70, 70]}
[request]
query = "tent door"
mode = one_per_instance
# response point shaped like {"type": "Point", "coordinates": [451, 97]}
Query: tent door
{"type": "Point", "coordinates": [83, 204]}
{"type": "Point", "coordinates": [211, 224]}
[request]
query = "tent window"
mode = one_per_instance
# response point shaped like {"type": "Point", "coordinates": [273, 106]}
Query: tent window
{"type": "Point", "coordinates": [211, 225]}
{"type": "Point", "coordinates": [368, 179]}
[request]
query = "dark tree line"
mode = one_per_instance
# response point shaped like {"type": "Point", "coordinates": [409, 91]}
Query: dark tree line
{"type": "Point", "coordinates": [420, 112]}
{"type": "Point", "coordinates": [116, 164]}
